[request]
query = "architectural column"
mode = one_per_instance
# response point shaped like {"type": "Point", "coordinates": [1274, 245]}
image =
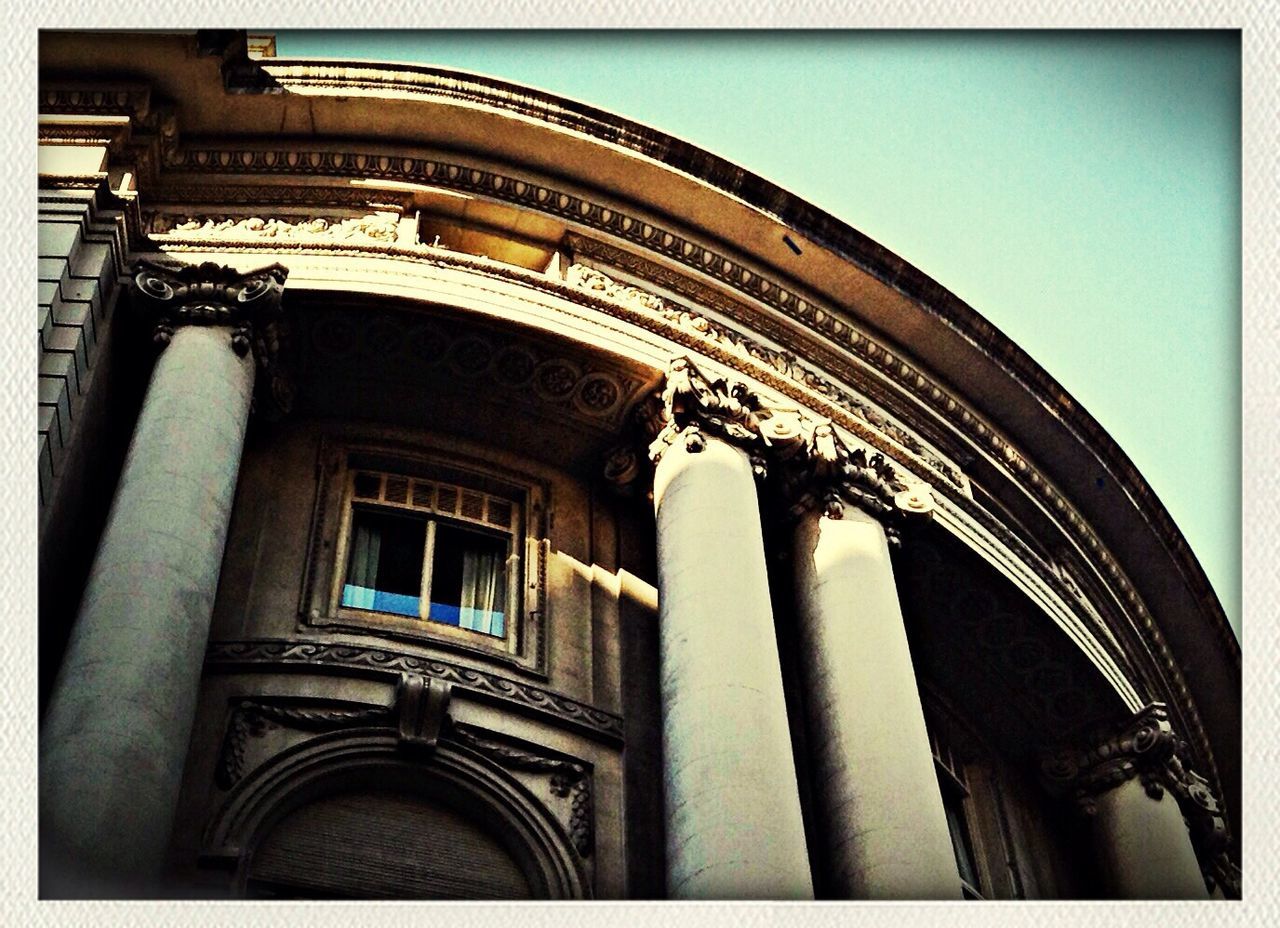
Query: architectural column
{"type": "Point", "coordinates": [734, 826]}
{"type": "Point", "coordinates": [1141, 798]}
{"type": "Point", "coordinates": [116, 730]}
{"type": "Point", "coordinates": [884, 828]}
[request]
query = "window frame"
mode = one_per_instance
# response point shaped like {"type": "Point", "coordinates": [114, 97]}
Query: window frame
{"type": "Point", "coordinates": [523, 645]}
{"type": "Point", "coordinates": [967, 767]}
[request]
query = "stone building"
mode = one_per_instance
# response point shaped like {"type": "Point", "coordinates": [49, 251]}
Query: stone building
{"type": "Point", "coordinates": [450, 490]}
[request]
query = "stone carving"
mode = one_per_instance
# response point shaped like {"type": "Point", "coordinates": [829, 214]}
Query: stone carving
{"type": "Point", "coordinates": [783, 363]}
{"type": "Point", "coordinates": [272, 653]}
{"type": "Point", "coordinates": [419, 711]}
{"type": "Point", "coordinates": [694, 403]}
{"type": "Point", "coordinates": [1143, 748]}
{"type": "Point", "coordinates": [210, 294]}
{"type": "Point", "coordinates": [252, 719]}
{"type": "Point", "coordinates": [1147, 748]}
{"type": "Point", "coordinates": [420, 714]}
{"type": "Point", "coordinates": [811, 465]}
{"type": "Point", "coordinates": [297, 162]}
{"type": "Point", "coordinates": [399, 345]}
{"type": "Point", "coordinates": [374, 227]}
{"type": "Point", "coordinates": [567, 779]}
{"type": "Point", "coordinates": [301, 164]}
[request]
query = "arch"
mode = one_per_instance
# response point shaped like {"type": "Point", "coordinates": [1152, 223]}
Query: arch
{"type": "Point", "coordinates": [372, 760]}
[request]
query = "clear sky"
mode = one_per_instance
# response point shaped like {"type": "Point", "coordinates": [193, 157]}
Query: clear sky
{"type": "Point", "coordinates": [1079, 190]}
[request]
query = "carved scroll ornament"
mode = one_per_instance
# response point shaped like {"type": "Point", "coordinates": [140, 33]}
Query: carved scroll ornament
{"type": "Point", "coordinates": [806, 461]}
{"type": "Point", "coordinates": [214, 295]}
{"type": "Point", "coordinates": [1147, 748]}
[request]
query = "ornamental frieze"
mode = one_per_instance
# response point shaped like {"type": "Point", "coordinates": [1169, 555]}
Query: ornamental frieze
{"type": "Point", "coordinates": [704, 261]}
{"type": "Point", "coordinates": [272, 654]}
{"type": "Point", "coordinates": [397, 345]}
{"type": "Point", "coordinates": [373, 227]}
{"type": "Point", "coordinates": [572, 208]}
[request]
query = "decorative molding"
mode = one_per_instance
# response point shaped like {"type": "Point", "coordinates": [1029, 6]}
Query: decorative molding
{"type": "Point", "coordinates": [176, 196]}
{"type": "Point", "coordinates": [235, 159]}
{"type": "Point", "coordinates": [279, 654]}
{"type": "Point", "coordinates": [1146, 747]}
{"type": "Point", "coordinates": [252, 719]}
{"type": "Point", "coordinates": [568, 779]}
{"type": "Point", "coordinates": [811, 465]}
{"type": "Point", "coordinates": [634, 305]}
{"type": "Point", "coordinates": [816, 317]}
{"type": "Point", "coordinates": [396, 344]}
{"type": "Point", "coordinates": [381, 226]}
{"type": "Point", "coordinates": [784, 363]}
{"type": "Point", "coordinates": [215, 295]}
{"type": "Point", "coordinates": [421, 705]}
{"type": "Point", "coordinates": [419, 712]}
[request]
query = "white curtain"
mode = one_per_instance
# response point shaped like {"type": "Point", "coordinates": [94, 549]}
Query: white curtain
{"type": "Point", "coordinates": [483, 592]}
{"type": "Point", "coordinates": [362, 575]}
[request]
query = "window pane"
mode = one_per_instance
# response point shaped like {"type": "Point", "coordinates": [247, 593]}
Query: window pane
{"type": "Point", "coordinates": [469, 580]}
{"type": "Point", "coordinates": [960, 843]}
{"type": "Point", "coordinates": [384, 567]}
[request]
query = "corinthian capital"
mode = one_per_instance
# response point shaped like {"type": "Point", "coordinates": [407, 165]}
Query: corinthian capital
{"type": "Point", "coordinates": [808, 464]}
{"type": "Point", "coordinates": [1143, 746]}
{"type": "Point", "coordinates": [694, 404]}
{"type": "Point", "coordinates": [1146, 747]}
{"type": "Point", "coordinates": [247, 304]}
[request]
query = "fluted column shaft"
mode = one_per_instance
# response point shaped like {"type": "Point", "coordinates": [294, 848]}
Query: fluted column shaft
{"type": "Point", "coordinates": [116, 731]}
{"type": "Point", "coordinates": [734, 827]}
{"type": "Point", "coordinates": [884, 827]}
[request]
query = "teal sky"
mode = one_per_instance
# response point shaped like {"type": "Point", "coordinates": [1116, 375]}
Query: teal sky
{"type": "Point", "coordinates": [1079, 190]}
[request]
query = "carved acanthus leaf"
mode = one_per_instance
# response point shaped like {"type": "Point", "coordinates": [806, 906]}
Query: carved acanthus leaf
{"type": "Point", "coordinates": [378, 227]}
{"type": "Point", "coordinates": [1147, 748]}
{"type": "Point", "coordinates": [811, 465]}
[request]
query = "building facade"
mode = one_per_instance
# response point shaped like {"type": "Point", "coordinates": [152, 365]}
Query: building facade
{"type": "Point", "coordinates": [452, 491]}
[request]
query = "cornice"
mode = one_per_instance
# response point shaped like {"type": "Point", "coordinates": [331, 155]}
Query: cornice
{"type": "Point", "coordinates": [811, 314]}
{"type": "Point", "coordinates": [421, 82]}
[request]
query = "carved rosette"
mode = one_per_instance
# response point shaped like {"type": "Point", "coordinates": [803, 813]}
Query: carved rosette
{"type": "Point", "coordinates": [806, 461]}
{"type": "Point", "coordinates": [248, 304]}
{"type": "Point", "coordinates": [1147, 748]}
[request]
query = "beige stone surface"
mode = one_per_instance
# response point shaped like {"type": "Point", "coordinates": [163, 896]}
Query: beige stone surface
{"type": "Point", "coordinates": [115, 734]}
{"type": "Point", "coordinates": [883, 824]}
{"type": "Point", "coordinates": [734, 829]}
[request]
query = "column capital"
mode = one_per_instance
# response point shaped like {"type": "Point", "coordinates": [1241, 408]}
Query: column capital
{"type": "Point", "coordinates": [1145, 746]}
{"type": "Point", "coordinates": [210, 294]}
{"type": "Point", "coordinates": [827, 474]}
{"type": "Point", "coordinates": [694, 405]}
{"type": "Point", "coordinates": [808, 464]}
{"type": "Point", "coordinates": [1142, 746]}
